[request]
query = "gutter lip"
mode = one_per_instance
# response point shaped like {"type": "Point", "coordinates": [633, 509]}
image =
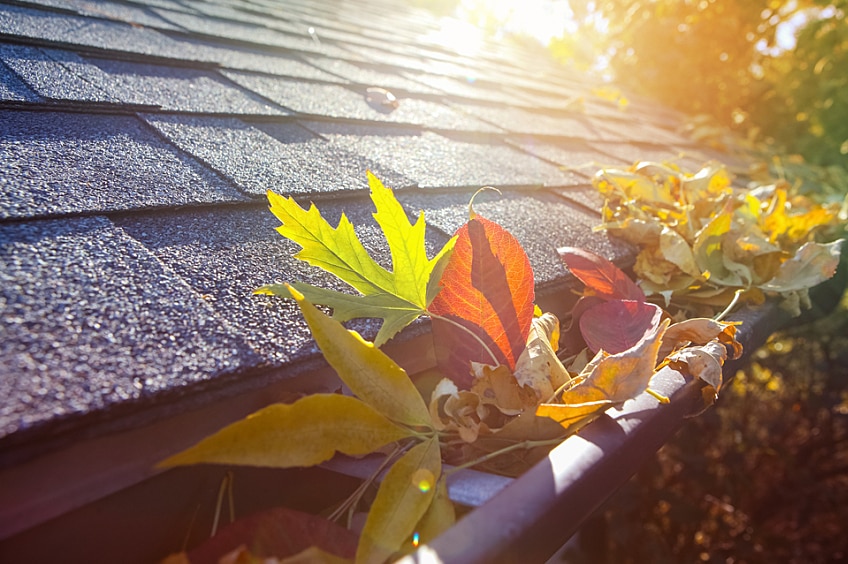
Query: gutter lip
{"type": "Point", "coordinates": [533, 516]}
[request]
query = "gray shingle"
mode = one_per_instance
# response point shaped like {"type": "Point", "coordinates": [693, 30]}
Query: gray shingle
{"type": "Point", "coordinates": [174, 88]}
{"type": "Point", "coordinates": [364, 75]}
{"type": "Point", "coordinates": [54, 74]}
{"type": "Point", "coordinates": [581, 157]}
{"type": "Point", "coordinates": [517, 120]}
{"type": "Point", "coordinates": [213, 26]}
{"type": "Point", "coordinates": [541, 223]}
{"type": "Point", "coordinates": [91, 320]}
{"type": "Point", "coordinates": [12, 89]}
{"type": "Point", "coordinates": [586, 196]}
{"type": "Point", "coordinates": [250, 34]}
{"type": "Point", "coordinates": [269, 63]}
{"type": "Point", "coordinates": [111, 10]}
{"type": "Point", "coordinates": [434, 160]}
{"type": "Point", "coordinates": [467, 88]}
{"type": "Point", "coordinates": [638, 131]}
{"type": "Point", "coordinates": [282, 157]}
{"type": "Point", "coordinates": [330, 100]}
{"type": "Point", "coordinates": [226, 255]}
{"type": "Point", "coordinates": [90, 32]}
{"type": "Point", "coordinates": [55, 163]}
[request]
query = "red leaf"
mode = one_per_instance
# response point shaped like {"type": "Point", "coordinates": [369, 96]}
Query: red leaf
{"type": "Point", "coordinates": [487, 287]}
{"type": "Point", "coordinates": [571, 339]}
{"type": "Point", "coordinates": [278, 532]}
{"type": "Point", "coordinates": [617, 325]}
{"type": "Point", "coordinates": [600, 275]}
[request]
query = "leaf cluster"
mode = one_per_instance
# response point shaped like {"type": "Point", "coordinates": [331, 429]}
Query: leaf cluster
{"type": "Point", "coordinates": [702, 240]}
{"type": "Point", "coordinates": [506, 396]}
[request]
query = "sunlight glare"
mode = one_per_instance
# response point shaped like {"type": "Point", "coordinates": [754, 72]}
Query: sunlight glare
{"type": "Point", "coordinates": [541, 19]}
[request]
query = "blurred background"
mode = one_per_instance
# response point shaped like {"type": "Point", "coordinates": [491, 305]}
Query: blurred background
{"type": "Point", "coordinates": [762, 477]}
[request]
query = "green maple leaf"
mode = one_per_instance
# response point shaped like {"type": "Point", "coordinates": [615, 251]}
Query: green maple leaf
{"type": "Point", "coordinates": [398, 296]}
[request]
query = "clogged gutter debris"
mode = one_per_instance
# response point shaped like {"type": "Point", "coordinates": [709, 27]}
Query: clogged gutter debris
{"type": "Point", "coordinates": [506, 397]}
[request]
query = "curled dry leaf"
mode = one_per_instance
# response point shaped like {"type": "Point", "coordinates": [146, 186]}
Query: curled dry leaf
{"type": "Point", "coordinates": [702, 362]}
{"type": "Point", "coordinates": [538, 368]}
{"type": "Point", "coordinates": [700, 331]}
{"type": "Point", "coordinates": [501, 389]}
{"type": "Point", "coordinates": [465, 412]}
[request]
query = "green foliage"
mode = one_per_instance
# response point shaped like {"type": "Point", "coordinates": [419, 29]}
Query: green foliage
{"type": "Point", "coordinates": [722, 58]}
{"type": "Point", "coordinates": [398, 297]}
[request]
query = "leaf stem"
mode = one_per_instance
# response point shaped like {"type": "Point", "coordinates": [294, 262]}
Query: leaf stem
{"type": "Point", "coordinates": [226, 487]}
{"type": "Point", "coordinates": [730, 306]}
{"type": "Point", "coordinates": [526, 445]}
{"type": "Point", "coordinates": [353, 499]}
{"type": "Point", "coordinates": [476, 337]}
{"type": "Point", "coordinates": [656, 395]}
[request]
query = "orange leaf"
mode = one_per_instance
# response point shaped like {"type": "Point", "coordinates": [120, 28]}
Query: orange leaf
{"type": "Point", "coordinates": [484, 308]}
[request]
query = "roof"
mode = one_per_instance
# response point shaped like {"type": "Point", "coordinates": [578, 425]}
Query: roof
{"type": "Point", "coordinates": [137, 142]}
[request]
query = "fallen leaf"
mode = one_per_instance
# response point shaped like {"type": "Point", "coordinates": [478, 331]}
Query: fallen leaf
{"type": "Point", "coordinates": [278, 533]}
{"type": "Point", "coordinates": [702, 362]}
{"type": "Point", "coordinates": [305, 433]}
{"type": "Point", "coordinates": [608, 380]}
{"type": "Point", "coordinates": [616, 326]}
{"type": "Point", "coordinates": [462, 411]}
{"type": "Point", "coordinates": [440, 516]}
{"type": "Point", "coordinates": [538, 368]}
{"type": "Point", "coordinates": [402, 500]}
{"type": "Point", "coordinates": [398, 297]}
{"type": "Point", "coordinates": [711, 258]}
{"type": "Point", "coordinates": [812, 264]}
{"type": "Point", "coordinates": [370, 374]}
{"type": "Point", "coordinates": [499, 387]}
{"type": "Point", "coordinates": [601, 276]}
{"type": "Point", "coordinates": [484, 308]}
{"type": "Point", "coordinates": [676, 250]}
{"type": "Point", "coordinates": [699, 331]}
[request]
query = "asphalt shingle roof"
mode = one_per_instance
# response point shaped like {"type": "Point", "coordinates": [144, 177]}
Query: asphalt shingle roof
{"type": "Point", "coordinates": [137, 141]}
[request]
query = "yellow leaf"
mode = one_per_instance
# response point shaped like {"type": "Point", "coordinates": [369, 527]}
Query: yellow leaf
{"type": "Point", "coordinates": [440, 516]}
{"type": "Point", "coordinates": [403, 498]}
{"type": "Point", "coordinates": [676, 250]}
{"type": "Point", "coordinates": [307, 432]}
{"type": "Point", "coordinates": [374, 377]}
{"type": "Point", "coordinates": [398, 296]}
{"type": "Point", "coordinates": [710, 255]}
{"type": "Point", "coordinates": [609, 380]}
{"type": "Point", "coordinates": [572, 415]}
